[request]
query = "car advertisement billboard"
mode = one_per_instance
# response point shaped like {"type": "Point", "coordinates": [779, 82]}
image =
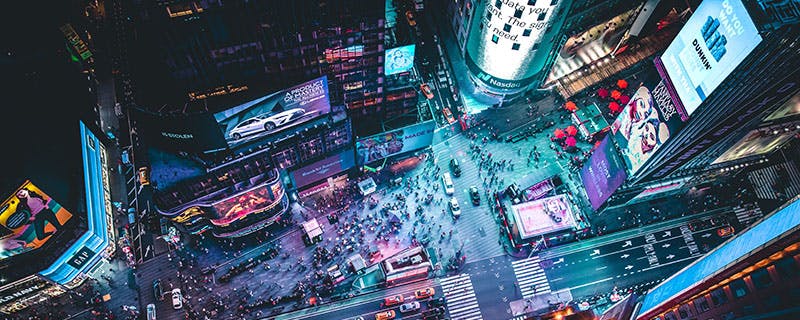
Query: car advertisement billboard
{"type": "Point", "coordinates": [256, 200]}
{"type": "Point", "coordinates": [755, 143]}
{"type": "Point", "coordinates": [276, 112]}
{"type": "Point", "coordinates": [603, 174]}
{"type": "Point", "coordinates": [28, 218]}
{"type": "Point", "coordinates": [718, 36]}
{"type": "Point", "coordinates": [644, 125]}
{"type": "Point", "coordinates": [399, 60]}
{"type": "Point", "coordinates": [393, 142]}
{"type": "Point", "coordinates": [543, 216]}
{"type": "Point", "coordinates": [324, 168]}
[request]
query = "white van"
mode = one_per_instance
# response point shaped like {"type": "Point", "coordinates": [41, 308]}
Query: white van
{"type": "Point", "coordinates": [448, 184]}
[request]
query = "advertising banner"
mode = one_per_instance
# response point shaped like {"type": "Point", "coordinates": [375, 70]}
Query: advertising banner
{"type": "Point", "coordinates": [274, 113]}
{"type": "Point", "coordinates": [543, 216]}
{"type": "Point", "coordinates": [399, 60]}
{"type": "Point", "coordinates": [755, 143]}
{"type": "Point", "coordinates": [252, 201]}
{"type": "Point", "coordinates": [29, 218]}
{"type": "Point", "coordinates": [190, 133]}
{"type": "Point", "coordinates": [715, 40]}
{"type": "Point", "coordinates": [324, 168]}
{"type": "Point", "coordinates": [393, 142]}
{"type": "Point", "coordinates": [603, 174]}
{"type": "Point", "coordinates": [644, 125]}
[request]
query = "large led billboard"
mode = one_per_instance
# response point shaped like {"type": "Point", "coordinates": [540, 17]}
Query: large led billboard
{"type": "Point", "coordinates": [28, 218]}
{"type": "Point", "coordinates": [603, 174]}
{"type": "Point", "coordinates": [543, 216]}
{"type": "Point", "coordinates": [190, 133]}
{"type": "Point", "coordinates": [718, 36]}
{"type": "Point", "coordinates": [399, 60]}
{"type": "Point", "coordinates": [755, 143]}
{"type": "Point", "coordinates": [274, 113]}
{"type": "Point", "coordinates": [256, 200]}
{"type": "Point", "coordinates": [644, 125]}
{"type": "Point", "coordinates": [324, 168]}
{"type": "Point", "coordinates": [393, 142]}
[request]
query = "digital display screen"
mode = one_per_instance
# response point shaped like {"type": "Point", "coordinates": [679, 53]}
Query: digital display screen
{"type": "Point", "coordinates": [274, 113]}
{"type": "Point", "coordinates": [324, 168]}
{"type": "Point", "coordinates": [603, 174]}
{"type": "Point", "coordinates": [399, 60]}
{"type": "Point", "coordinates": [715, 40]}
{"type": "Point", "coordinates": [29, 217]}
{"type": "Point", "coordinates": [253, 201]}
{"type": "Point", "coordinates": [755, 143]}
{"type": "Point", "coordinates": [393, 142]}
{"type": "Point", "coordinates": [543, 216]}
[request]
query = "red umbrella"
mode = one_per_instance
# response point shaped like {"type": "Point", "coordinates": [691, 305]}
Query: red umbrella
{"type": "Point", "coordinates": [571, 142]}
{"type": "Point", "coordinates": [602, 92]}
{"type": "Point", "coordinates": [624, 99]}
{"type": "Point", "coordinates": [571, 106]}
{"type": "Point", "coordinates": [622, 84]}
{"type": "Point", "coordinates": [558, 133]}
{"type": "Point", "coordinates": [615, 94]}
{"type": "Point", "coordinates": [614, 106]}
{"type": "Point", "coordinates": [571, 130]}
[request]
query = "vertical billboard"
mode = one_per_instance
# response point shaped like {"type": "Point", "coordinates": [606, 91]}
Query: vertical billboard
{"type": "Point", "coordinates": [324, 168]}
{"type": "Point", "coordinates": [603, 174]}
{"type": "Point", "coordinates": [715, 40]}
{"type": "Point", "coordinates": [644, 126]}
{"type": "Point", "coordinates": [399, 60]}
{"type": "Point", "coordinates": [28, 218]}
{"type": "Point", "coordinates": [274, 113]}
{"type": "Point", "coordinates": [394, 142]}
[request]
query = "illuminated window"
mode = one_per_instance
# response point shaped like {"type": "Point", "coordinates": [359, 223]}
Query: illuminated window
{"type": "Point", "coordinates": [739, 288]}
{"type": "Point", "coordinates": [531, 2]}
{"type": "Point", "coordinates": [718, 297]}
{"type": "Point", "coordinates": [498, 4]}
{"type": "Point", "coordinates": [526, 33]}
{"type": "Point", "coordinates": [495, 38]}
{"type": "Point", "coordinates": [553, 2]}
{"type": "Point", "coordinates": [518, 14]}
{"type": "Point", "coordinates": [542, 16]}
{"type": "Point", "coordinates": [761, 278]}
{"type": "Point", "coordinates": [507, 27]}
{"type": "Point", "coordinates": [515, 46]}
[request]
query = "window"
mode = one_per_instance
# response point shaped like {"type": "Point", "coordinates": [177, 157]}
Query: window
{"type": "Point", "coordinates": [526, 33]}
{"type": "Point", "coordinates": [515, 46]}
{"type": "Point", "coordinates": [739, 288]}
{"type": "Point", "coordinates": [498, 4]}
{"type": "Point", "coordinates": [535, 46]}
{"type": "Point", "coordinates": [518, 14]}
{"type": "Point", "coordinates": [286, 158]}
{"type": "Point", "coordinates": [670, 316]}
{"type": "Point", "coordinates": [761, 278]}
{"type": "Point", "coordinates": [480, 26]}
{"type": "Point", "coordinates": [542, 16]}
{"type": "Point", "coordinates": [553, 2]}
{"type": "Point", "coordinates": [684, 311]}
{"type": "Point", "coordinates": [507, 27]}
{"type": "Point", "coordinates": [531, 2]}
{"type": "Point", "coordinates": [787, 268]}
{"type": "Point", "coordinates": [701, 304]}
{"type": "Point", "coordinates": [718, 297]}
{"type": "Point", "coordinates": [488, 16]}
{"type": "Point", "coordinates": [495, 38]}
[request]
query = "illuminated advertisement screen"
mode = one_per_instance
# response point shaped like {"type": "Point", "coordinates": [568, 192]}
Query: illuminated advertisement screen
{"type": "Point", "coordinates": [644, 125]}
{"type": "Point", "coordinates": [393, 142]}
{"type": "Point", "coordinates": [253, 201]}
{"type": "Point", "coordinates": [274, 113]}
{"type": "Point", "coordinates": [543, 216]}
{"type": "Point", "coordinates": [399, 60]}
{"type": "Point", "coordinates": [755, 143]}
{"type": "Point", "coordinates": [324, 168]}
{"type": "Point", "coordinates": [603, 174]}
{"type": "Point", "coordinates": [718, 36]}
{"type": "Point", "coordinates": [788, 109]}
{"type": "Point", "coordinates": [28, 218]}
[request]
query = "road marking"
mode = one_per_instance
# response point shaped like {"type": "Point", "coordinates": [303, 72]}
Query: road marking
{"type": "Point", "coordinates": [600, 268]}
{"type": "Point", "coordinates": [591, 283]}
{"type": "Point", "coordinates": [531, 278]}
{"type": "Point", "coordinates": [460, 297]}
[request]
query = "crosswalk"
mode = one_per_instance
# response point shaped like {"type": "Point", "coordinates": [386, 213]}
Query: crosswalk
{"type": "Point", "coordinates": [460, 296]}
{"type": "Point", "coordinates": [531, 277]}
{"type": "Point", "coordinates": [748, 214]}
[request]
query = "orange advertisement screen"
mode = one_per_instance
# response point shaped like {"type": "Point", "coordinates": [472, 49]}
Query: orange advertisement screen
{"type": "Point", "coordinates": [242, 205]}
{"type": "Point", "coordinates": [28, 218]}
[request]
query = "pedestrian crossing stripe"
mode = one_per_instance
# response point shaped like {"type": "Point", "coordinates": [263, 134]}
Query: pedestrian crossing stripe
{"type": "Point", "coordinates": [531, 278]}
{"type": "Point", "coordinates": [462, 304]}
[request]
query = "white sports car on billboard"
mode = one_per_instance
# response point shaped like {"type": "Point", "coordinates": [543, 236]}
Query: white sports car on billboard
{"type": "Point", "coordinates": [263, 123]}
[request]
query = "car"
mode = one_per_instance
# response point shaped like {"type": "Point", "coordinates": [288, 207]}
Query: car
{"type": "Point", "coordinates": [158, 292]}
{"type": "Point", "coordinates": [426, 90]}
{"type": "Point", "coordinates": [448, 115]}
{"type": "Point", "coordinates": [455, 167]}
{"type": "Point", "coordinates": [177, 299]}
{"type": "Point", "coordinates": [151, 312]}
{"type": "Point", "coordinates": [144, 176]}
{"type": "Point", "coordinates": [410, 18]}
{"type": "Point", "coordinates": [725, 231]}
{"type": "Point", "coordinates": [409, 307]}
{"type": "Point", "coordinates": [454, 207]}
{"type": "Point", "coordinates": [436, 302]}
{"type": "Point", "coordinates": [393, 300]}
{"type": "Point", "coordinates": [385, 315]}
{"type": "Point", "coordinates": [474, 195]}
{"type": "Point", "coordinates": [263, 123]}
{"type": "Point", "coordinates": [448, 184]}
{"type": "Point", "coordinates": [424, 293]}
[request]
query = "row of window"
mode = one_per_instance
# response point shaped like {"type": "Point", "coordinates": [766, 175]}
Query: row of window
{"type": "Point", "coordinates": [498, 3]}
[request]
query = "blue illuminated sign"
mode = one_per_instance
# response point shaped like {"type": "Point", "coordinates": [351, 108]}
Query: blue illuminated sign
{"type": "Point", "coordinates": [400, 59]}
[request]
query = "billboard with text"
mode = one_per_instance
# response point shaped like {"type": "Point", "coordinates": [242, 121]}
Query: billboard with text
{"type": "Point", "coordinates": [324, 168]}
{"type": "Point", "coordinates": [28, 218]}
{"type": "Point", "coordinates": [274, 113]}
{"type": "Point", "coordinates": [393, 142]}
{"type": "Point", "coordinates": [603, 174]}
{"type": "Point", "coordinates": [715, 40]}
{"type": "Point", "coordinates": [400, 59]}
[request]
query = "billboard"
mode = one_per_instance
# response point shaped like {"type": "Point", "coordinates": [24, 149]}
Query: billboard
{"type": "Point", "coordinates": [399, 60]}
{"type": "Point", "coordinates": [274, 113]}
{"type": "Point", "coordinates": [644, 126]}
{"type": "Point", "coordinates": [190, 133]}
{"type": "Point", "coordinates": [324, 168]}
{"type": "Point", "coordinates": [603, 174]}
{"type": "Point", "coordinates": [755, 143]}
{"type": "Point", "coordinates": [28, 218]}
{"type": "Point", "coordinates": [393, 142]}
{"type": "Point", "coordinates": [256, 200]}
{"type": "Point", "coordinates": [718, 36]}
{"type": "Point", "coordinates": [543, 216]}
